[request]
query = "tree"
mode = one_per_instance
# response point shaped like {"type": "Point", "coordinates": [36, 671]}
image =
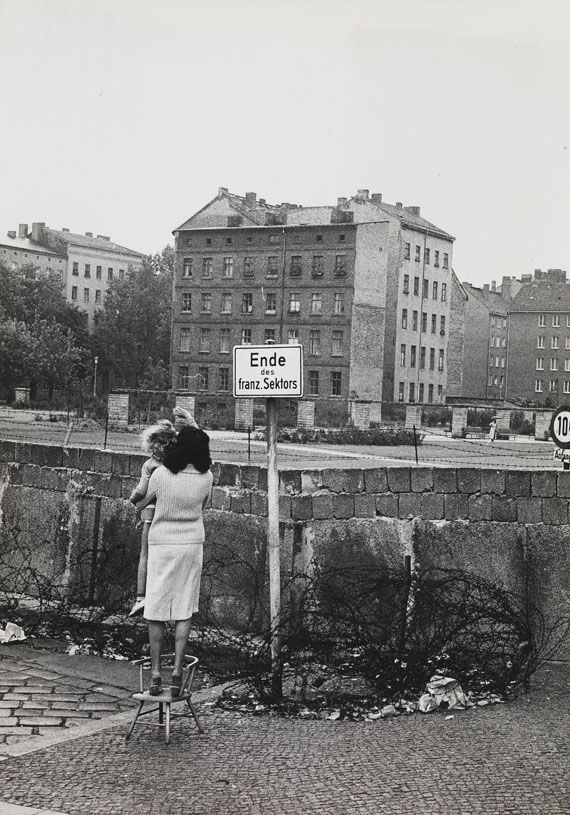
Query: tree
{"type": "Point", "coordinates": [16, 352]}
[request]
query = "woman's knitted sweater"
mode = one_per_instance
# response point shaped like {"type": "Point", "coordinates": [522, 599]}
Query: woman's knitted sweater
{"type": "Point", "coordinates": [179, 500]}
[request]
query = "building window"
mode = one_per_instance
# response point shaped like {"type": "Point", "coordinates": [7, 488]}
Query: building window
{"type": "Point", "coordinates": [186, 301]}
{"type": "Point", "coordinates": [417, 257]}
{"type": "Point", "coordinates": [407, 249]}
{"type": "Point", "coordinates": [98, 296]}
{"type": "Point", "coordinates": [433, 323]}
{"type": "Point", "coordinates": [556, 321]}
{"type": "Point", "coordinates": [272, 265]}
{"type": "Point", "coordinates": [338, 302]}
{"type": "Point", "coordinates": [319, 238]}
{"type": "Point", "coordinates": [496, 362]}
{"type": "Point", "coordinates": [313, 381]}
{"type": "Point", "coordinates": [224, 340]}
{"type": "Point", "coordinates": [503, 362]}
{"type": "Point", "coordinates": [185, 336]}
{"type": "Point", "coordinates": [567, 364]}
{"type": "Point", "coordinates": [110, 273]}
{"type": "Point", "coordinates": [226, 306]}
{"type": "Point", "coordinates": [208, 241]}
{"type": "Point", "coordinates": [434, 290]}
{"type": "Point", "coordinates": [440, 393]}
{"type": "Point", "coordinates": [336, 383]}
{"type": "Point", "coordinates": [421, 392]}
{"type": "Point", "coordinates": [318, 267]}
{"type": "Point", "coordinates": [294, 302]}
{"type": "Point", "coordinates": [293, 336]}
{"type": "Point", "coordinates": [274, 239]}
{"type": "Point", "coordinates": [436, 258]}
{"type": "Point", "coordinates": [412, 392]}
{"type": "Point", "coordinates": [445, 260]}
{"type": "Point", "coordinates": [425, 289]}
{"type": "Point", "coordinates": [98, 272]}
{"type": "Point", "coordinates": [74, 292]}
{"type": "Point", "coordinates": [187, 267]}
{"type": "Point", "coordinates": [75, 270]}
{"type": "Point", "coordinates": [269, 335]}
{"type": "Point", "coordinates": [422, 357]}
{"type": "Point", "coordinates": [414, 321]}
{"type": "Point", "coordinates": [206, 303]}
{"type": "Point", "coordinates": [567, 386]}
{"type": "Point", "coordinates": [315, 341]}
{"type": "Point", "coordinates": [296, 267]}
{"type": "Point", "coordinates": [342, 237]}
{"type": "Point", "coordinates": [553, 386]}
{"type": "Point", "coordinates": [207, 267]}
{"type": "Point", "coordinates": [340, 265]}
{"type": "Point", "coordinates": [553, 364]}
{"type": "Point", "coordinates": [205, 335]}
{"type": "Point", "coordinates": [406, 284]}
{"type": "Point", "coordinates": [316, 303]}
{"type": "Point", "coordinates": [248, 267]}
{"type": "Point", "coordinates": [424, 321]}
{"type": "Point", "coordinates": [246, 336]}
{"type": "Point", "coordinates": [404, 318]}
{"type": "Point", "coordinates": [555, 342]}
{"type": "Point", "coordinates": [401, 394]}
{"type": "Point", "coordinates": [296, 239]}
{"type": "Point", "coordinates": [492, 320]}
{"type": "Point", "coordinates": [430, 394]}
{"type": "Point", "coordinates": [541, 320]}
{"type": "Point", "coordinates": [442, 326]}
{"type": "Point", "coordinates": [229, 240]}
{"type": "Point", "coordinates": [540, 342]}
{"type": "Point", "coordinates": [416, 286]}
{"type": "Point", "coordinates": [538, 385]}
{"type": "Point", "coordinates": [504, 342]}
{"type": "Point", "coordinates": [203, 378]}
{"type": "Point", "coordinates": [85, 295]}
{"type": "Point", "coordinates": [440, 360]}
{"type": "Point", "coordinates": [247, 303]}
{"type": "Point", "coordinates": [224, 379]}
{"type": "Point", "coordinates": [443, 292]}
{"type": "Point", "coordinates": [183, 377]}
{"type": "Point", "coordinates": [426, 261]}
{"type": "Point", "coordinates": [412, 356]}
{"type": "Point", "coordinates": [540, 363]}
{"type": "Point", "coordinates": [337, 342]}
{"type": "Point", "coordinates": [402, 355]}
{"type": "Point", "coordinates": [121, 274]}
{"type": "Point", "coordinates": [87, 272]}
{"type": "Point", "coordinates": [432, 359]}
{"type": "Point", "coordinates": [271, 302]}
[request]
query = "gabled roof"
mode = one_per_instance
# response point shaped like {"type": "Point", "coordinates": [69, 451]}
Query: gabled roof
{"type": "Point", "coordinates": [542, 296]}
{"type": "Point", "coordinates": [256, 215]}
{"type": "Point", "coordinates": [406, 217]}
{"type": "Point", "coordinates": [91, 242]}
{"type": "Point", "coordinates": [28, 245]}
{"type": "Point", "coordinates": [492, 300]}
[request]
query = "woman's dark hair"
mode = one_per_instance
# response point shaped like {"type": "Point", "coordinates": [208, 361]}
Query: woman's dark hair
{"type": "Point", "coordinates": [192, 447]}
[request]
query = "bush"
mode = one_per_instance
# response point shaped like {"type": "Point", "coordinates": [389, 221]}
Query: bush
{"type": "Point", "coordinates": [381, 436]}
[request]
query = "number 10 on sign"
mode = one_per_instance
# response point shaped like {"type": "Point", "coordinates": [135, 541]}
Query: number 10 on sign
{"type": "Point", "coordinates": [560, 427]}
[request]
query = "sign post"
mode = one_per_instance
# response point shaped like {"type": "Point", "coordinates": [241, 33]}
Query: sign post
{"type": "Point", "coordinates": [270, 371]}
{"type": "Point", "coordinates": [560, 432]}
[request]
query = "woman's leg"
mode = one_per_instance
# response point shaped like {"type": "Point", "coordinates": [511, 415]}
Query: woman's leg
{"type": "Point", "coordinates": [141, 573]}
{"type": "Point", "coordinates": [155, 637]}
{"type": "Point", "coordinates": [181, 634]}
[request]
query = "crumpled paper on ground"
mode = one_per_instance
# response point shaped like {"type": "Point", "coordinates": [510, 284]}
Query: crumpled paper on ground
{"type": "Point", "coordinates": [443, 689]}
{"type": "Point", "coordinates": [12, 633]}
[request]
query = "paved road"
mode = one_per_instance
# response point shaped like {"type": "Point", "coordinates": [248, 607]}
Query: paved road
{"type": "Point", "coordinates": [511, 758]}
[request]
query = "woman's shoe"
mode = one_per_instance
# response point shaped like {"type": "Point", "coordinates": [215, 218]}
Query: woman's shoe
{"type": "Point", "coordinates": [175, 685]}
{"type": "Point", "coordinates": [156, 688]}
{"type": "Point", "coordinates": [138, 607]}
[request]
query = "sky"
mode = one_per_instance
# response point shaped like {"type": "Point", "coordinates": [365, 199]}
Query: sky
{"type": "Point", "coordinates": [123, 117]}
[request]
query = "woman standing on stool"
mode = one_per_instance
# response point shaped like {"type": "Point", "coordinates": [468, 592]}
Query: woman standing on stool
{"type": "Point", "coordinates": [181, 489]}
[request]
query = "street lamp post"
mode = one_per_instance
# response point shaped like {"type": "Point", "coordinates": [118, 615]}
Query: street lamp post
{"type": "Point", "coordinates": [96, 360]}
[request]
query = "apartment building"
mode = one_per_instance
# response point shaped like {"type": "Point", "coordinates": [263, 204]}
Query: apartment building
{"type": "Point", "coordinates": [335, 278]}
{"type": "Point", "coordinates": [83, 264]}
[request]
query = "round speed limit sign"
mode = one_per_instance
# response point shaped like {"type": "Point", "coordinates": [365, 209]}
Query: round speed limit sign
{"type": "Point", "coordinates": [560, 427]}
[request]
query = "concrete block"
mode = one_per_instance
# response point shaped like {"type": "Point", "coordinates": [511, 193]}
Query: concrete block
{"type": "Point", "coordinates": [432, 506]}
{"type": "Point", "coordinates": [229, 475]}
{"type": "Point", "coordinates": [103, 461]}
{"type": "Point", "coordinates": [365, 505]}
{"type": "Point", "coordinates": [421, 479]}
{"type": "Point", "coordinates": [387, 505]}
{"type": "Point", "coordinates": [102, 484]}
{"type": "Point", "coordinates": [7, 451]}
{"type": "Point", "coordinates": [399, 479]}
{"type": "Point", "coordinates": [240, 502]}
{"type": "Point", "coordinates": [493, 481]}
{"type": "Point", "coordinates": [555, 511]}
{"type": "Point", "coordinates": [480, 507]}
{"type": "Point", "coordinates": [289, 482]}
{"type": "Point", "coordinates": [563, 484]}
{"type": "Point", "coordinates": [323, 506]}
{"type": "Point", "coordinates": [311, 481]}
{"type": "Point", "coordinates": [543, 484]}
{"type": "Point", "coordinates": [45, 455]}
{"type": "Point", "coordinates": [468, 480]}
{"type": "Point", "coordinates": [376, 480]}
{"type": "Point", "coordinates": [258, 503]}
{"type": "Point", "coordinates": [301, 507]}
{"type": "Point", "coordinates": [529, 510]}
{"type": "Point", "coordinates": [249, 476]}
{"type": "Point", "coordinates": [517, 484]}
{"type": "Point", "coordinates": [410, 505]}
{"type": "Point", "coordinates": [221, 498]}
{"type": "Point", "coordinates": [504, 509]}
{"type": "Point", "coordinates": [444, 480]}
{"type": "Point", "coordinates": [284, 508]}
{"type": "Point", "coordinates": [120, 464]}
{"type": "Point", "coordinates": [456, 507]}
{"type": "Point", "coordinates": [375, 543]}
{"type": "Point", "coordinates": [215, 468]}
{"type": "Point", "coordinates": [135, 464]}
{"type": "Point", "coordinates": [343, 480]}
{"type": "Point", "coordinates": [262, 479]}
{"type": "Point", "coordinates": [343, 506]}
{"type": "Point", "coordinates": [549, 576]}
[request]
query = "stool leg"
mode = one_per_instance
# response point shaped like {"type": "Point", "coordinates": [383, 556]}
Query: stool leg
{"type": "Point", "coordinates": [195, 716]}
{"type": "Point", "coordinates": [167, 724]}
{"type": "Point", "coordinates": [134, 721]}
{"type": "Point", "coordinates": [160, 713]}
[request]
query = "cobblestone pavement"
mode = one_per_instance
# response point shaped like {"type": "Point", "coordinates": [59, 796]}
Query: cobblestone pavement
{"type": "Point", "coordinates": [511, 758]}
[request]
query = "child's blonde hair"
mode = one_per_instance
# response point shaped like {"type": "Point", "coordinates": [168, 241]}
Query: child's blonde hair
{"type": "Point", "coordinates": [157, 439]}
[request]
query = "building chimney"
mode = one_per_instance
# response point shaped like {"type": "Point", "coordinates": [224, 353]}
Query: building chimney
{"type": "Point", "coordinates": [104, 237]}
{"type": "Point", "coordinates": [493, 285]}
{"type": "Point", "coordinates": [250, 199]}
{"type": "Point", "coordinates": [22, 230]}
{"type": "Point", "coordinates": [341, 201]}
{"type": "Point", "coordinates": [37, 229]}
{"type": "Point", "coordinates": [413, 211]}
{"type": "Point", "coordinates": [89, 234]}
{"type": "Point", "coordinates": [485, 287]}
{"type": "Point", "coordinates": [376, 197]}
{"type": "Point", "coordinates": [222, 190]}
{"type": "Point", "coordinates": [12, 233]}
{"type": "Point", "coordinates": [261, 201]}
{"type": "Point", "coordinates": [362, 195]}
{"type": "Point", "coordinates": [64, 229]}
{"type": "Point", "coordinates": [398, 205]}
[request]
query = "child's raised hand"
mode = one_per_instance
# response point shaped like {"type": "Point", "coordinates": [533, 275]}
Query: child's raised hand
{"type": "Point", "coordinates": [183, 418]}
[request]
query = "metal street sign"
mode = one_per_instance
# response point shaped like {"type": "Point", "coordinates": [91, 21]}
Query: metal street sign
{"type": "Point", "coordinates": [268, 371]}
{"type": "Point", "coordinates": [560, 427]}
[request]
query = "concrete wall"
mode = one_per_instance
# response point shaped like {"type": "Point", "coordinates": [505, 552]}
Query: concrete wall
{"type": "Point", "coordinates": [69, 509]}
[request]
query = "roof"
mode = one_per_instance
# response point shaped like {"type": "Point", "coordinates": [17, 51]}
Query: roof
{"type": "Point", "coordinates": [406, 217]}
{"type": "Point", "coordinates": [492, 300]}
{"type": "Point", "coordinates": [542, 296]}
{"type": "Point", "coordinates": [28, 245]}
{"type": "Point", "coordinates": [92, 243]}
{"type": "Point", "coordinates": [257, 214]}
